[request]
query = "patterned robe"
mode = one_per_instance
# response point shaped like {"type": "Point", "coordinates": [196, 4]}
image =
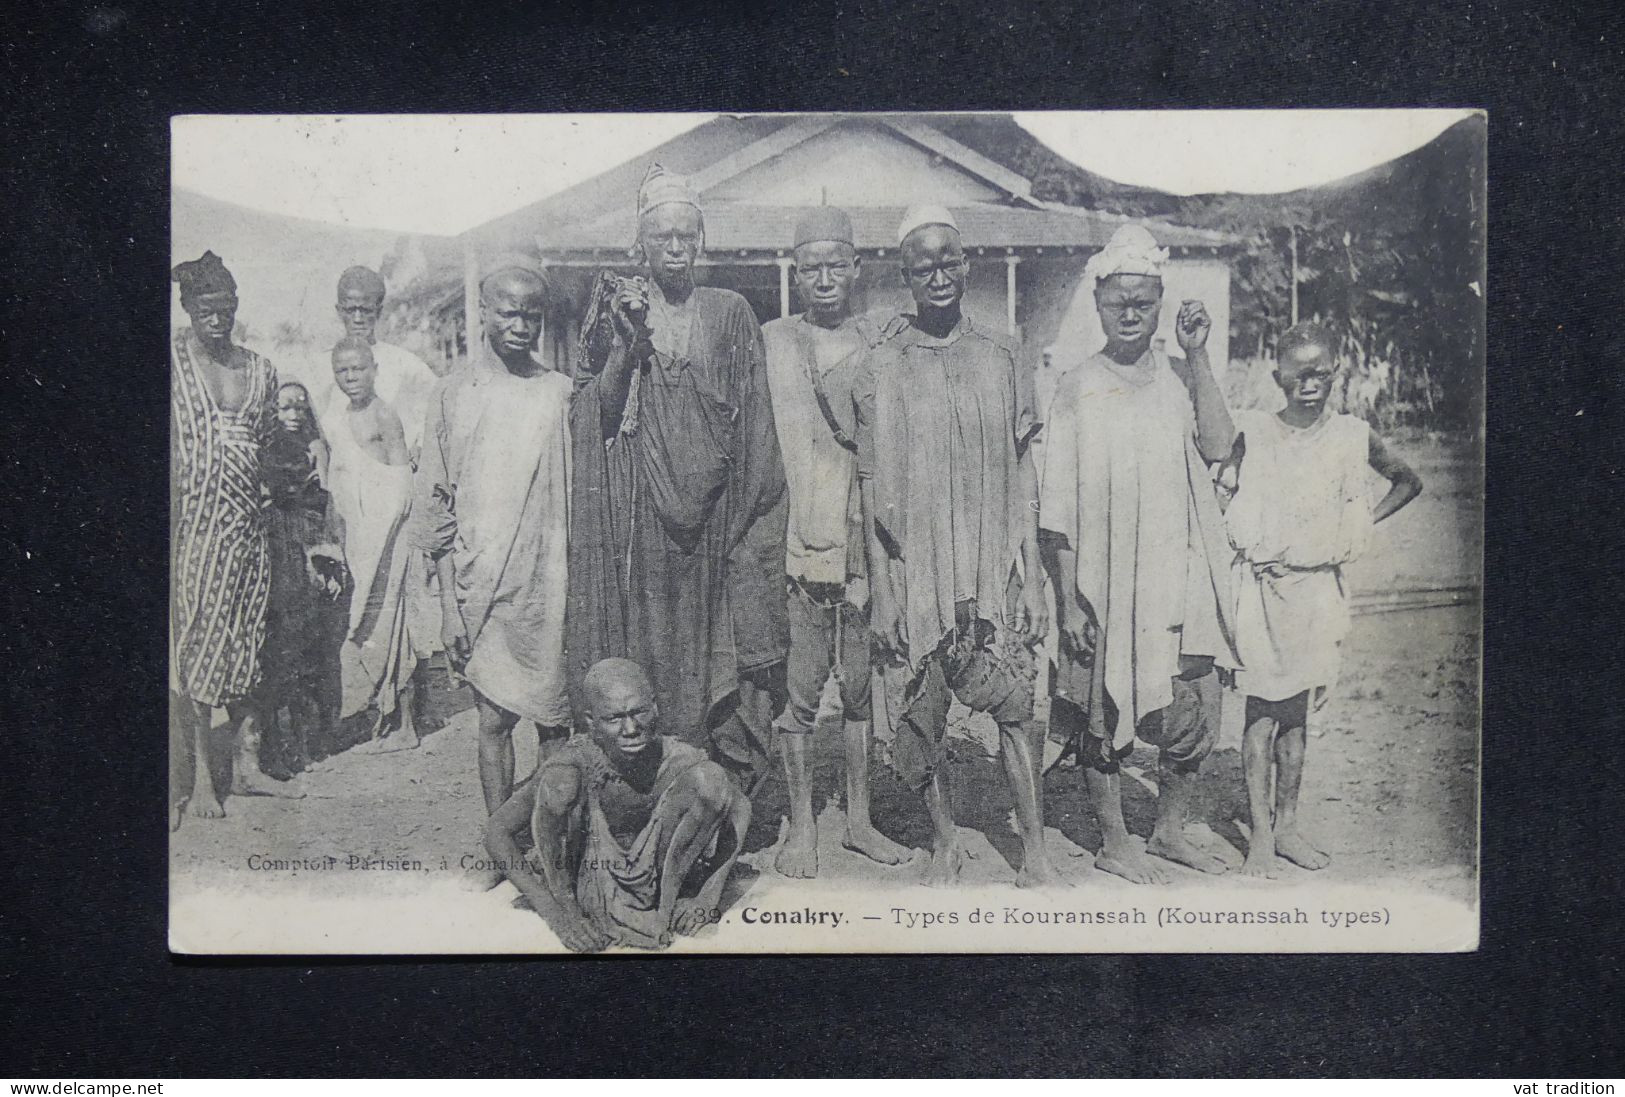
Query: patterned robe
{"type": "Point", "coordinates": [220, 577]}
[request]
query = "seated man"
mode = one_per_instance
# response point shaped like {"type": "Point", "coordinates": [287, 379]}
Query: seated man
{"type": "Point", "coordinates": [624, 823]}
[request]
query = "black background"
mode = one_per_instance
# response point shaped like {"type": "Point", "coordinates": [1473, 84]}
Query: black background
{"type": "Point", "coordinates": [89, 988]}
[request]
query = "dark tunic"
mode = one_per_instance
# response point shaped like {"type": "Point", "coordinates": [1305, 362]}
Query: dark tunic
{"type": "Point", "coordinates": [677, 546]}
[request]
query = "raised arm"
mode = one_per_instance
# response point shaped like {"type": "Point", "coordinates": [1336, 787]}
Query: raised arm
{"type": "Point", "coordinates": [1404, 484]}
{"type": "Point", "coordinates": [542, 805]}
{"type": "Point", "coordinates": [1214, 430]}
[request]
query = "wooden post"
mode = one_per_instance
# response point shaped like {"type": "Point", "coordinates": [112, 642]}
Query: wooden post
{"type": "Point", "coordinates": [1294, 229]}
{"type": "Point", "coordinates": [784, 284]}
{"type": "Point", "coordinates": [471, 299]}
{"type": "Point", "coordinates": [1010, 262]}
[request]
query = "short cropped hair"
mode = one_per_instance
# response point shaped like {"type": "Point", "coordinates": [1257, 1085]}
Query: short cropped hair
{"type": "Point", "coordinates": [1306, 333]}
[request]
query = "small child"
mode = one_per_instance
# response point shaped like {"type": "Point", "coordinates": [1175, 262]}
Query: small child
{"type": "Point", "coordinates": [1301, 510]}
{"type": "Point", "coordinates": [301, 647]}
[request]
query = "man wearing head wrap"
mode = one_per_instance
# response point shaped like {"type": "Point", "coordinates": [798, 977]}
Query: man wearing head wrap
{"type": "Point", "coordinates": [678, 556]}
{"type": "Point", "coordinates": [492, 509]}
{"type": "Point", "coordinates": [222, 411]}
{"type": "Point", "coordinates": [1136, 548]}
{"type": "Point", "coordinates": [829, 628]}
{"type": "Point", "coordinates": [944, 420]}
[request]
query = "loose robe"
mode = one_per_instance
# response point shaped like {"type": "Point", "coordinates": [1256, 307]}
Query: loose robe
{"type": "Point", "coordinates": [1303, 504]}
{"type": "Point", "coordinates": [220, 572]}
{"type": "Point", "coordinates": [677, 558]}
{"type": "Point", "coordinates": [941, 426]}
{"type": "Point", "coordinates": [374, 499]}
{"type": "Point", "coordinates": [1124, 483]}
{"type": "Point", "coordinates": [492, 488]}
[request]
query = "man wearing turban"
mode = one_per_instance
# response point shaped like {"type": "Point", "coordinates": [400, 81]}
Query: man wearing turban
{"type": "Point", "coordinates": [1136, 548]}
{"type": "Point", "coordinates": [677, 555]}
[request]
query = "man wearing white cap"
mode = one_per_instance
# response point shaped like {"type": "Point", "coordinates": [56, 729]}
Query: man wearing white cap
{"type": "Point", "coordinates": [829, 625]}
{"type": "Point", "coordinates": [677, 552]}
{"type": "Point", "coordinates": [1136, 548]}
{"type": "Point", "coordinates": [944, 421]}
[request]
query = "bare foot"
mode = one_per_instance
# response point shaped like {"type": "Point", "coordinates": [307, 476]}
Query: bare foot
{"type": "Point", "coordinates": [1181, 851]}
{"type": "Point", "coordinates": [943, 871]}
{"type": "Point", "coordinates": [177, 812]}
{"type": "Point", "coordinates": [798, 852]}
{"type": "Point", "coordinates": [1038, 872]}
{"type": "Point", "coordinates": [875, 845]}
{"type": "Point", "coordinates": [1128, 862]}
{"type": "Point", "coordinates": [258, 784]}
{"type": "Point", "coordinates": [203, 805]}
{"type": "Point", "coordinates": [1292, 846]}
{"type": "Point", "coordinates": [1260, 863]}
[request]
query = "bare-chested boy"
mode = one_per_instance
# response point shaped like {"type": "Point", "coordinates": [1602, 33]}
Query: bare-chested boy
{"type": "Point", "coordinates": [370, 479]}
{"type": "Point", "coordinates": [622, 820]}
{"type": "Point", "coordinates": [1301, 511]}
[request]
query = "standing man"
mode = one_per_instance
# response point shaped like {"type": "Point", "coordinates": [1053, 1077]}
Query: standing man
{"type": "Point", "coordinates": [677, 562]}
{"type": "Point", "coordinates": [944, 421]}
{"type": "Point", "coordinates": [493, 513]}
{"type": "Point", "coordinates": [1137, 551]}
{"type": "Point", "coordinates": [829, 623]}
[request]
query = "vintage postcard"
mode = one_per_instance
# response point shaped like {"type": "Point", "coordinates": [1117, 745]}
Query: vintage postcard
{"type": "Point", "coordinates": [971, 532]}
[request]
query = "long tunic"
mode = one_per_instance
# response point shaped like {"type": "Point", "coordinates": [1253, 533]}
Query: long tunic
{"type": "Point", "coordinates": [942, 424]}
{"type": "Point", "coordinates": [677, 559]}
{"type": "Point", "coordinates": [221, 574]}
{"type": "Point", "coordinates": [492, 488]}
{"type": "Point", "coordinates": [1302, 504]}
{"type": "Point", "coordinates": [374, 500]}
{"type": "Point", "coordinates": [819, 470]}
{"type": "Point", "coordinates": [1125, 484]}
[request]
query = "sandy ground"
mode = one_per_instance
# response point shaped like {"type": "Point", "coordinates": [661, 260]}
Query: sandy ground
{"type": "Point", "coordinates": [1390, 791]}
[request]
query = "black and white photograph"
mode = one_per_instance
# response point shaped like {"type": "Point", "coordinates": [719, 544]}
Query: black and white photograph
{"type": "Point", "coordinates": [976, 532]}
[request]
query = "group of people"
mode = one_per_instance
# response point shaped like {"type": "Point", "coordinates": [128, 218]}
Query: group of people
{"type": "Point", "coordinates": [660, 561]}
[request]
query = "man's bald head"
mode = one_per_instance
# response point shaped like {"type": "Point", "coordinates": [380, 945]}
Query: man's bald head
{"type": "Point", "coordinates": [608, 675]}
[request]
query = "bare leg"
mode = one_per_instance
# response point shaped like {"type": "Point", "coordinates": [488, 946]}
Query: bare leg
{"type": "Point", "coordinates": [1118, 854]}
{"type": "Point", "coordinates": [496, 779]}
{"type": "Point", "coordinates": [247, 779]}
{"type": "Point", "coordinates": [398, 730]}
{"type": "Point", "coordinates": [1289, 843]}
{"type": "Point", "coordinates": [203, 803]}
{"type": "Point", "coordinates": [861, 835]}
{"type": "Point", "coordinates": [1021, 751]}
{"type": "Point", "coordinates": [1175, 788]}
{"type": "Point", "coordinates": [798, 851]}
{"type": "Point", "coordinates": [712, 798]}
{"type": "Point", "coordinates": [1256, 742]}
{"type": "Point", "coordinates": [946, 855]}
